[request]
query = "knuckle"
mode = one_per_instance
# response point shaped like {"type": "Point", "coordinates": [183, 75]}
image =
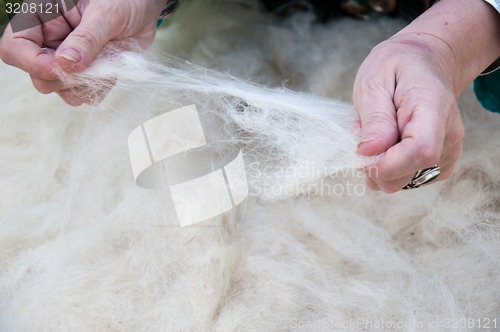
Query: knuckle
{"type": "Point", "coordinates": [87, 37]}
{"type": "Point", "coordinates": [379, 119]}
{"type": "Point", "coordinates": [369, 87]}
{"type": "Point", "coordinates": [367, 82]}
{"type": "Point", "coordinates": [378, 116]}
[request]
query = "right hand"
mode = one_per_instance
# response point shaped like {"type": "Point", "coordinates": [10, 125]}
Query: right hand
{"type": "Point", "coordinates": [73, 41]}
{"type": "Point", "coordinates": [409, 116]}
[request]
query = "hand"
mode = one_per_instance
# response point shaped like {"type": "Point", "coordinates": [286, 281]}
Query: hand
{"type": "Point", "coordinates": [405, 90]}
{"type": "Point", "coordinates": [73, 41]}
{"type": "Point", "coordinates": [408, 112]}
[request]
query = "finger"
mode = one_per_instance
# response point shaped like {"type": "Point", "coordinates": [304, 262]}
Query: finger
{"type": "Point", "coordinates": [372, 184]}
{"type": "Point", "coordinates": [55, 31]}
{"type": "Point", "coordinates": [24, 51]}
{"type": "Point", "coordinates": [83, 44]}
{"type": "Point", "coordinates": [71, 96]}
{"type": "Point", "coordinates": [356, 128]}
{"type": "Point", "coordinates": [397, 185]}
{"type": "Point", "coordinates": [447, 165]}
{"type": "Point", "coordinates": [79, 95]}
{"type": "Point", "coordinates": [421, 144]}
{"type": "Point", "coordinates": [387, 186]}
{"type": "Point", "coordinates": [46, 86]}
{"type": "Point", "coordinates": [379, 130]}
{"type": "Point", "coordinates": [370, 173]}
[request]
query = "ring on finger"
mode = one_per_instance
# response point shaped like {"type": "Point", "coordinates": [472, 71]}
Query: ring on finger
{"type": "Point", "coordinates": [424, 176]}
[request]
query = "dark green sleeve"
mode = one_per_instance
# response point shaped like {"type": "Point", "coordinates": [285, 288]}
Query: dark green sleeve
{"type": "Point", "coordinates": [487, 90]}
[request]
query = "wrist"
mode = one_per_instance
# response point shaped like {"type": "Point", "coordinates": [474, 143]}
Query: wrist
{"type": "Point", "coordinates": [428, 52]}
{"type": "Point", "coordinates": [464, 35]}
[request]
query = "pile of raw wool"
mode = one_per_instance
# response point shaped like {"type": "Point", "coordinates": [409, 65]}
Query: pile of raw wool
{"type": "Point", "coordinates": [83, 248]}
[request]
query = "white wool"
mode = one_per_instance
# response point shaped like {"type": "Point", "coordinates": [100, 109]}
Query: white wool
{"type": "Point", "coordinates": [83, 248]}
{"type": "Point", "coordinates": [288, 138]}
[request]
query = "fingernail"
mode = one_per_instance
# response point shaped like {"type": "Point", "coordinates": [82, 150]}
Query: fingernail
{"type": "Point", "coordinates": [71, 55]}
{"type": "Point", "coordinates": [367, 139]}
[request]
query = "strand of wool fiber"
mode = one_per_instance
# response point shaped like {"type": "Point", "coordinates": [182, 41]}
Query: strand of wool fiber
{"type": "Point", "coordinates": [289, 139]}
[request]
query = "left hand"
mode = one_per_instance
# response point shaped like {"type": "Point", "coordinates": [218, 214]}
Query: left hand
{"type": "Point", "coordinates": [72, 41]}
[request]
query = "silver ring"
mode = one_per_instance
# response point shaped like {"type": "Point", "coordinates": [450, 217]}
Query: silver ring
{"type": "Point", "coordinates": [424, 176]}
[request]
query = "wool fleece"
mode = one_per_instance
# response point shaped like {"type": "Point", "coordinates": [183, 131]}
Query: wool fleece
{"type": "Point", "coordinates": [83, 248]}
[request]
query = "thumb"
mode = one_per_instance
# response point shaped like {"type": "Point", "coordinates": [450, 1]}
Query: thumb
{"type": "Point", "coordinates": [83, 44]}
{"type": "Point", "coordinates": [379, 128]}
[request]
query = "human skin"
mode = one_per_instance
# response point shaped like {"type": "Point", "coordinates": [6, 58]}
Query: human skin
{"type": "Point", "coordinates": [73, 41]}
{"type": "Point", "coordinates": [405, 90]}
